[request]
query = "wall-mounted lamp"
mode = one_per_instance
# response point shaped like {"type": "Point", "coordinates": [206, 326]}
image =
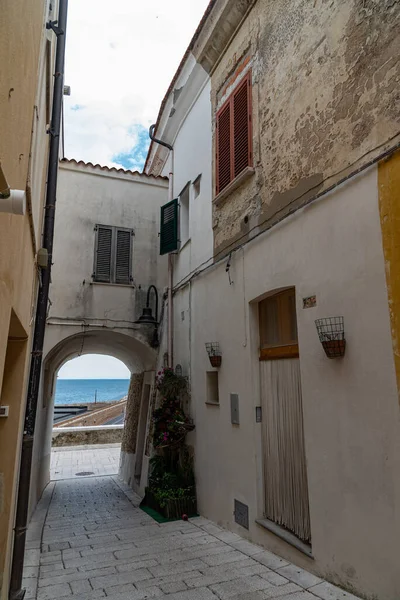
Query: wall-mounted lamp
{"type": "Point", "coordinates": [147, 316]}
{"type": "Point", "coordinates": [214, 353]}
{"type": "Point", "coordinates": [331, 335]}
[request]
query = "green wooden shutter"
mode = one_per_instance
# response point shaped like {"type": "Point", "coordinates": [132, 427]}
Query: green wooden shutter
{"type": "Point", "coordinates": [169, 227]}
{"type": "Point", "coordinates": [123, 253]}
{"type": "Point", "coordinates": [102, 263]}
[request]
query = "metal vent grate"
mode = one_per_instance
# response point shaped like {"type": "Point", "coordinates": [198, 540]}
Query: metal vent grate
{"type": "Point", "coordinates": [241, 514]}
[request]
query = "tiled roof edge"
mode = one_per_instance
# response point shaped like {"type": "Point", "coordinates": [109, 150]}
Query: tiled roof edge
{"type": "Point", "coordinates": [104, 168]}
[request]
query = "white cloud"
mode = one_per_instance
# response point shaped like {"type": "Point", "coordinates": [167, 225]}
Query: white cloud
{"type": "Point", "coordinates": [121, 57]}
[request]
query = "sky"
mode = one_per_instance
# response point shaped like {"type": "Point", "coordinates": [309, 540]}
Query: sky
{"type": "Point", "coordinates": [94, 366]}
{"type": "Point", "coordinates": [120, 59]}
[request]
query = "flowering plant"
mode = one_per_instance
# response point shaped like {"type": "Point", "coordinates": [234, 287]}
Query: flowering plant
{"type": "Point", "coordinates": [170, 424]}
{"type": "Point", "coordinates": [169, 384]}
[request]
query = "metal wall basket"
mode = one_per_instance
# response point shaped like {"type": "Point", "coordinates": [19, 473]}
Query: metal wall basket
{"type": "Point", "coordinates": [331, 335]}
{"type": "Point", "coordinates": [214, 353]}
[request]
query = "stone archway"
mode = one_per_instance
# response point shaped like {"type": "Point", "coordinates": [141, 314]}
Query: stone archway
{"type": "Point", "coordinates": [131, 348]}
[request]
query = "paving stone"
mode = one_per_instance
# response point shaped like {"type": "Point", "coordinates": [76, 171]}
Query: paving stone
{"type": "Point", "coordinates": [240, 585]}
{"type": "Point", "coordinates": [53, 592]}
{"type": "Point", "coordinates": [174, 586]}
{"type": "Point", "coordinates": [270, 560]}
{"type": "Point", "coordinates": [274, 578]}
{"type": "Point", "coordinates": [81, 587]}
{"type": "Point", "coordinates": [327, 591]}
{"type": "Point", "coordinates": [282, 591]}
{"type": "Point", "coordinates": [97, 544]}
{"type": "Point", "coordinates": [32, 558]}
{"type": "Point", "coordinates": [75, 575]}
{"type": "Point", "coordinates": [198, 594]}
{"type": "Point", "coordinates": [30, 585]}
{"type": "Point", "coordinates": [120, 578]}
{"type": "Point", "coordinates": [299, 576]}
{"type": "Point", "coordinates": [297, 596]}
{"type": "Point", "coordinates": [133, 594]}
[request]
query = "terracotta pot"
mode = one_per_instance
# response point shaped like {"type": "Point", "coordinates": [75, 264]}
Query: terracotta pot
{"type": "Point", "coordinates": [215, 360]}
{"type": "Point", "coordinates": [334, 348]}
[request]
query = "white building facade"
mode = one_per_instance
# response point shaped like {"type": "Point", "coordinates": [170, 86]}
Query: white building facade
{"type": "Point", "coordinates": [294, 450]}
{"type": "Point", "coordinates": [105, 259]}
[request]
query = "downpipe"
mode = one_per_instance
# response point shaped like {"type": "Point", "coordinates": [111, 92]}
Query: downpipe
{"type": "Point", "coordinates": [170, 259]}
{"type": "Point", "coordinates": [16, 592]}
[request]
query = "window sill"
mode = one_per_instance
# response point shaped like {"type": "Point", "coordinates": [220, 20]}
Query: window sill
{"type": "Point", "coordinates": [125, 285]}
{"type": "Point", "coordinates": [212, 404]}
{"type": "Point", "coordinates": [235, 183]}
{"type": "Point", "coordinates": [285, 535]}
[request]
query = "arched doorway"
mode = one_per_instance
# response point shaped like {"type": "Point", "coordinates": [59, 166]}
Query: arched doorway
{"type": "Point", "coordinates": [130, 348]}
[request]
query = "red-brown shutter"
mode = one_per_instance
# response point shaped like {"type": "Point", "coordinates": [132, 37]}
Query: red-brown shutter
{"type": "Point", "coordinates": [241, 128]}
{"type": "Point", "coordinates": [234, 137]}
{"type": "Point", "coordinates": [224, 154]}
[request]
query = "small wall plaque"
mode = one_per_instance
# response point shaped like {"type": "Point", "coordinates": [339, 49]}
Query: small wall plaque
{"type": "Point", "coordinates": [258, 414]}
{"type": "Point", "coordinates": [310, 302]}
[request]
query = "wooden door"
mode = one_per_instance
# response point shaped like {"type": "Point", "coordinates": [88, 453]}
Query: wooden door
{"type": "Point", "coordinates": [284, 460]}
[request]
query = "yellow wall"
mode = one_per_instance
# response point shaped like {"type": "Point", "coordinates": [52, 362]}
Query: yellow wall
{"type": "Point", "coordinates": [22, 52]}
{"type": "Point", "coordinates": [389, 205]}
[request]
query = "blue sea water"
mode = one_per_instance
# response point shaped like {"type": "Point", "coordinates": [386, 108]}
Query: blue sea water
{"type": "Point", "coordinates": [81, 391]}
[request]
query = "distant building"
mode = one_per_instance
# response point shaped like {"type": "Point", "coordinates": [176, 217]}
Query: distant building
{"type": "Point", "coordinates": [284, 122]}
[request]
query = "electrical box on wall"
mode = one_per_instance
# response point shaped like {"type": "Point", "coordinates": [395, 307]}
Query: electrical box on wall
{"type": "Point", "coordinates": [4, 411]}
{"type": "Point", "coordinates": [234, 409]}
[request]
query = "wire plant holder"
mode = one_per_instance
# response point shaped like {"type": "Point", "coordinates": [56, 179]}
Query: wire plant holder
{"type": "Point", "coordinates": [331, 335]}
{"type": "Point", "coordinates": [214, 353]}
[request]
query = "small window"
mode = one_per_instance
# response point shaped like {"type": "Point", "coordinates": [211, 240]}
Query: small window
{"type": "Point", "coordinates": [212, 387]}
{"type": "Point", "coordinates": [233, 135]}
{"type": "Point", "coordinates": [113, 255]}
{"type": "Point", "coordinates": [196, 186]}
{"type": "Point", "coordinates": [278, 326]}
{"type": "Point", "coordinates": [184, 214]}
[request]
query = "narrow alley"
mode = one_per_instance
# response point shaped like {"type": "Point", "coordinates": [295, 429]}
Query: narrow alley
{"type": "Point", "coordinates": [89, 539]}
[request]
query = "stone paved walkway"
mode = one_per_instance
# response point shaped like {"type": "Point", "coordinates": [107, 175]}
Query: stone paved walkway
{"type": "Point", "coordinates": [97, 543]}
{"type": "Point", "coordinates": [96, 460]}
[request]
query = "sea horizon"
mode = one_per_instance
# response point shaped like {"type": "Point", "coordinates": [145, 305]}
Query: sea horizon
{"type": "Point", "coordinates": [84, 391]}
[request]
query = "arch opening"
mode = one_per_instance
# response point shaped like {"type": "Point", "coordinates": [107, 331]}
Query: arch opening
{"type": "Point", "coordinates": [134, 353]}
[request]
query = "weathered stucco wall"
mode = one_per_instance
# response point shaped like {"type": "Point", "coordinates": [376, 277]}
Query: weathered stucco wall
{"type": "Point", "coordinates": [332, 249]}
{"type": "Point", "coordinates": [23, 157]}
{"type": "Point", "coordinates": [325, 96]}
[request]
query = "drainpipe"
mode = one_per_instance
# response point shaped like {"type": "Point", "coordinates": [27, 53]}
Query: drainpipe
{"type": "Point", "coordinates": [170, 262]}
{"type": "Point", "coordinates": [16, 592]}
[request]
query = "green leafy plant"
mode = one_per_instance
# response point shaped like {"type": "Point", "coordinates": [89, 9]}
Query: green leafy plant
{"type": "Point", "coordinates": [170, 385]}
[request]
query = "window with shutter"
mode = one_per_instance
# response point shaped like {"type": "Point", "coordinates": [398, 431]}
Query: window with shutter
{"type": "Point", "coordinates": [113, 255]}
{"type": "Point", "coordinates": [169, 227]}
{"type": "Point", "coordinates": [233, 135]}
{"type": "Point", "coordinates": [102, 270]}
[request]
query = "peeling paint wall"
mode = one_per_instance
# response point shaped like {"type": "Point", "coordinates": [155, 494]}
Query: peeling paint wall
{"type": "Point", "coordinates": [325, 97]}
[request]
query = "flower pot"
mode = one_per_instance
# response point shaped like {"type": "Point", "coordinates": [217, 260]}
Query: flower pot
{"type": "Point", "coordinates": [174, 508]}
{"type": "Point", "coordinates": [334, 348]}
{"type": "Point", "coordinates": [215, 360]}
